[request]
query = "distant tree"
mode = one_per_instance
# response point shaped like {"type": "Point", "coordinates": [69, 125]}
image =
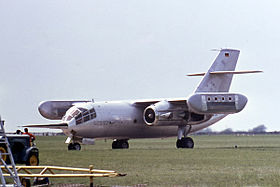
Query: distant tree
{"type": "Point", "coordinates": [259, 129]}
{"type": "Point", "coordinates": [207, 130]}
{"type": "Point", "coordinates": [227, 131]}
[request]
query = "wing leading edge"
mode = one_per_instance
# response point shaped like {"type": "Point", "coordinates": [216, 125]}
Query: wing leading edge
{"type": "Point", "coordinates": [50, 126]}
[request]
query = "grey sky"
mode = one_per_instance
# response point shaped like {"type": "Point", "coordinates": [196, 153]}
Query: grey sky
{"type": "Point", "coordinates": [131, 49]}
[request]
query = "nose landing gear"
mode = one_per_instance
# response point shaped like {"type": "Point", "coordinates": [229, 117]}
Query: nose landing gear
{"type": "Point", "coordinates": [74, 146]}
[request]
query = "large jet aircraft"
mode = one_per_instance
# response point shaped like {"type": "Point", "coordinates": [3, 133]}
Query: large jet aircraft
{"type": "Point", "coordinates": [84, 121]}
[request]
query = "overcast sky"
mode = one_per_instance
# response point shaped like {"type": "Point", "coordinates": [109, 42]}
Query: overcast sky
{"type": "Point", "coordinates": [132, 49]}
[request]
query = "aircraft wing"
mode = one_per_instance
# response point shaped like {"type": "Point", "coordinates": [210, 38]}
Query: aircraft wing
{"type": "Point", "coordinates": [50, 126]}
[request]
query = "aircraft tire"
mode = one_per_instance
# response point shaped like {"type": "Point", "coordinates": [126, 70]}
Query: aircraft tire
{"type": "Point", "coordinates": [124, 144]}
{"type": "Point", "coordinates": [120, 144]}
{"type": "Point", "coordinates": [114, 144]}
{"type": "Point", "coordinates": [185, 143]}
{"type": "Point", "coordinates": [76, 146]}
{"type": "Point", "coordinates": [70, 146]}
{"type": "Point", "coordinates": [188, 143]}
{"type": "Point", "coordinates": [179, 144]}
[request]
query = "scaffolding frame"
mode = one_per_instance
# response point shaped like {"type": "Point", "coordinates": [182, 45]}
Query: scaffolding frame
{"type": "Point", "coordinates": [9, 169]}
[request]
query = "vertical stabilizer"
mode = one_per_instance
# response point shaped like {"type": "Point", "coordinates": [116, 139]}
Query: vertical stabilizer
{"type": "Point", "coordinates": [225, 61]}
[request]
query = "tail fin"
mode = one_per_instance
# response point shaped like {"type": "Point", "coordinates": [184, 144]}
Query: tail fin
{"type": "Point", "coordinates": [225, 61]}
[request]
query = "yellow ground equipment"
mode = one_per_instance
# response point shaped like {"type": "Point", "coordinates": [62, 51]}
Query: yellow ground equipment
{"type": "Point", "coordinates": [60, 172]}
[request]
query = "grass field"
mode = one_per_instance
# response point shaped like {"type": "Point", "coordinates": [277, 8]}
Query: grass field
{"type": "Point", "coordinates": [156, 162]}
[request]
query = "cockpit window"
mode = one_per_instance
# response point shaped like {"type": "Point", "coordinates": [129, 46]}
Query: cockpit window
{"type": "Point", "coordinates": [80, 114]}
{"type": "Point", "coordinates": [69, 118]}
{"type": "Point", "coordinates": [75, 112]}
{"type": "Point", "coordinates": [85, 115]}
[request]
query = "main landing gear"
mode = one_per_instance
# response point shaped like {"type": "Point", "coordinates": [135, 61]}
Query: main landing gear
{"type": "Point", "coordinates": [120, 144]}
{"type": "Point", "coordinates": [184, 142]}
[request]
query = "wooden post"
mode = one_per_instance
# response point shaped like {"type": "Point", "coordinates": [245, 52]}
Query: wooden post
{"type": "Point", "coordinates": [90, 178]}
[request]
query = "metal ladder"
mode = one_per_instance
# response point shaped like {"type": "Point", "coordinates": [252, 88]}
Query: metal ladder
{"type": "Point", "coordinates": [8, 154]}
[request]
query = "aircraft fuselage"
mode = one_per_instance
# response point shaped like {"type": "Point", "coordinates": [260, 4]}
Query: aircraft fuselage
{"type": "Point", "coordinates": [123, 120]}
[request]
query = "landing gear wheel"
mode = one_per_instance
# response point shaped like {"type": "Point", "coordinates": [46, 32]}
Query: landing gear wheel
{"type": "Point", "coordinates": [74, 146]}
{"type": "Point", "coordinates": [185, 143]}
{"type": "Point", "coordinates": [32, 160]}
{"type": "Point", "coordinates": [70, 146]}
{"type": "Point", "coordinates": [115, 144]}
{"type": "Point", "coordinates": [124, 144]}
{"type": "Point", "coordinates": [120, 144]}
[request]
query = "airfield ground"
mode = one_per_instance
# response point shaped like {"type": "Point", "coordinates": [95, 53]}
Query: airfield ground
{"type": "Point", "coordinates": [156, 162]}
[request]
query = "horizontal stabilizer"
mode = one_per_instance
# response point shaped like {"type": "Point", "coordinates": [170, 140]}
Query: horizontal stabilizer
{"type": "Point", "coordinates": [226, 72]}
{"type": "Point", "coordinates": [196, 74]}
{"type": "Point", "coordinates": [234, 72]}
{"type": "Point", "coordinates": [50, 126]}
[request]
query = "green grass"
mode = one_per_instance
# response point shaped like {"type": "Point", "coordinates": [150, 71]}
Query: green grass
{"type": "Point", "coordinates": [156, 162]}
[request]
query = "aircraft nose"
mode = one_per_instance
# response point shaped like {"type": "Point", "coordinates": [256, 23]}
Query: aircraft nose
{"type": "Point", "coordinates": [72, 122]}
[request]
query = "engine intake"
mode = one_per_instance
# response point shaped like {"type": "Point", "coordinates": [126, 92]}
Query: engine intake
{"type": "Point", "coordinates": [165, 113]}
{"type": "Point", "coordinates": [149, 115]}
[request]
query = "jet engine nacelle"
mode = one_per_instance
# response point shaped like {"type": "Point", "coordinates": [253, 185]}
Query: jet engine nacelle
{"type": "Point", "coordinates": [165, 113]}
{"type": "Point", "coordinates": [216, 103]}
